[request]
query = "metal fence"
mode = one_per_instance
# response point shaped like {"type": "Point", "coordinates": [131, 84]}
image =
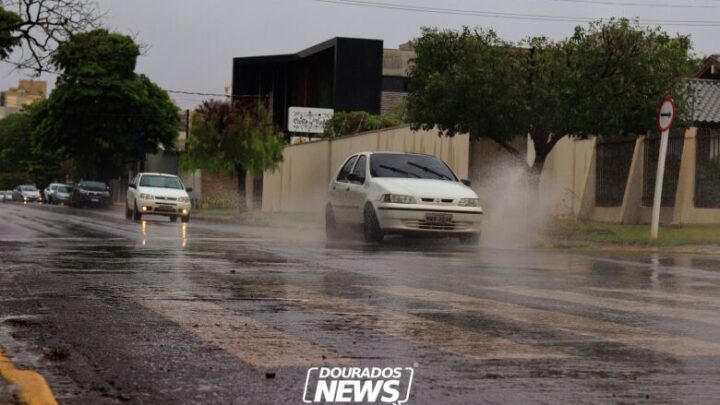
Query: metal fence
{"type": "Point", "coordinates": [707, 168]}
{"type": "Point", "coordinates": [612, 170]}
{"type": "Point", "coordinates": [672, 167]}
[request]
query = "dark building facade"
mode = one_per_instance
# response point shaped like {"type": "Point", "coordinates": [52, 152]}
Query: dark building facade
{"type": "Point", "coordinates": [345, 74]}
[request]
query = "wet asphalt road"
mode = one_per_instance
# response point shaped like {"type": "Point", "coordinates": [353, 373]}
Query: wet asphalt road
{"type": "Point", "coordinates": [113, 311]}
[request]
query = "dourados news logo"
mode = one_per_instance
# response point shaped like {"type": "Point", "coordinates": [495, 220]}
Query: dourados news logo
{"type": "Point", "coordinates": [389, 385]}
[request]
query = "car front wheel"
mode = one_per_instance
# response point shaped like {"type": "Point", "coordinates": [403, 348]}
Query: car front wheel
{"type": "Point", "coordinates": [185, 219]}
{"type": "Point", "coordinates": [137, 215]}
{"type": "Point", "coordinates": [371, 226]}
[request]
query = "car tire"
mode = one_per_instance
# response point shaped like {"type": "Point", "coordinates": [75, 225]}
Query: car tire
{"type": "Point", "coordinates": [173, 218]}
{"type": "Point", "coordinates": [185, 219]}
{"type": "Point", "coordinates": [473, 239]}
{"type": "Point", "coordinates": [331, 226]}
{"type": "Point", "coordinates": [137, 215]}
{"type": "Point", "coordinates": [371, 227]}
{"type": "Point", "coordinates": [128, 212]}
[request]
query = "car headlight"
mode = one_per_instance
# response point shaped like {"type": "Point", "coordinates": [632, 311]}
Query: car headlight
{"type": "Point", "coordinates": [469, 202]}
{"type": "Point", "coordinates": [398, 199]}
{"type": "Point", "coordinates": [184, 199]}
{"type": "Point", "coordinates": [146, 197]}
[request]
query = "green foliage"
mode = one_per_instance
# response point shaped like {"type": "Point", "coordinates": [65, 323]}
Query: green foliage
{"type": "Point", "coordinates": [607, 80]}
{"type": "Point", "coordinates": [226, 138]}
{"type": "Point", "coordinates": [9, 22]}
{"type": "Point", "coordinates": [345, 123]}
{"type": "Point", "coordinates": [19, 158]}
{"type": "Point", "coordinates": [8, 180]}
{"type": "Point", "coordinates": [101, 115]}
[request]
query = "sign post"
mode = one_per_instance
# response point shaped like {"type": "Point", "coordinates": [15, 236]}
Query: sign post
{"type": "Point", "coordinates": [665, 120]}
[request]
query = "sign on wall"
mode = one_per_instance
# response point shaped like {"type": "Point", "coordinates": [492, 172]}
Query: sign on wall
{"type": "Point", "coordinates": [308, 120]}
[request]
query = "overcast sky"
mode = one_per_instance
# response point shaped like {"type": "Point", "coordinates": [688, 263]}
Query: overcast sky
{"type": "Point", "coordinates": [191, 43]}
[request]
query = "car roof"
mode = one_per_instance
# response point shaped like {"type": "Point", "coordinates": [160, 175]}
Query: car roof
{"type": "Point", "coordinates": [391, 153]}
{"type": "Point", "coordinates": [158, 174]}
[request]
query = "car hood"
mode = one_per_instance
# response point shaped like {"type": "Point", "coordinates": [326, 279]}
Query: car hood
{"type": "Point", "coordinates": [424, 188]}
{"type": "Point", "coordinates": [163, 192]}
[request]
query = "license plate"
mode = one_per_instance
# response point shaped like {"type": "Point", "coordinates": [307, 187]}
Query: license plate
{"type": "Point", "coordinates": [438, 218]}
{"type": "Point", "coordinates": [94, 200]}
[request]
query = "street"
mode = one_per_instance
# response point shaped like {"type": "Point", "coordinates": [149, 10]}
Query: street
{"type": "Point", "coordinates": [112, 311]}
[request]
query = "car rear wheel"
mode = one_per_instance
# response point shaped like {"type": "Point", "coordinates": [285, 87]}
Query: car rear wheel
{"type": "Point", "coordinates": [331, 226]}
{"type": "Point", "coordinates": [371, 226]}
{"type": "Point", "coordinates": [137, 215]}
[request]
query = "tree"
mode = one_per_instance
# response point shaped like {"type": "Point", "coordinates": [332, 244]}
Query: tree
{"type": "Point", "coordinates": [102, 115]}
{"type": "Point", "coordinates": [233, 139]}
{"type": "Point", "coordinates": [40, 26]}
{"type": "Point", "coordinates": [605, 80]}
{"type": "Point", "coordinates": [20, 160]}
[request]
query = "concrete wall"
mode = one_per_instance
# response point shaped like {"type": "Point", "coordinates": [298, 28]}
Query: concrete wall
{"type": "Point", "coordinates": [568, 185]}
{"type": "Point", "coordinates": [684, 211]}
{"type": "Point", "coordinates": [567, 181]}
{"type": "Point", "coordinates": [300, 183]}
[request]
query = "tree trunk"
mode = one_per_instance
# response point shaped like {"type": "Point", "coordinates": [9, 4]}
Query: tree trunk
{"type": "Point", "coordinates": [240, 173]}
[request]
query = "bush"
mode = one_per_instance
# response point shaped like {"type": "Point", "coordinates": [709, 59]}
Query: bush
{"type": "Point", "coordinates": [346, 123]}
{"type": "Point", "coordinates": [9, 181]}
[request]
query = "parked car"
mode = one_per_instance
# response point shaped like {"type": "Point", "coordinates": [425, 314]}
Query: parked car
{"type": "Point", "coordinates": [5, 195]}
{"type": "Point", "coordinates": [90, 193]}
{"type": "Point", "coordinates": [26, 193]}
{"type": "Point", "coordinates": [401, 193]}
{"type": "Point", "coordinates": [157, 194]}
{"type": "Point", "coordinates": [57, 193]}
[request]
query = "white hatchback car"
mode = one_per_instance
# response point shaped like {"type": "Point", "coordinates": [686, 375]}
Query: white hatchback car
{"type": "Point", "coordinates": [157, 194]}
{"type": "Point", "coordinates": [401, 193]}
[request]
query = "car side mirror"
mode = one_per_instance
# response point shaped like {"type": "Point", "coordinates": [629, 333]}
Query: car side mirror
{"type": "Point", "coordinates": [466, 182]}
{"type": "Point", "coordinates": [132, 186]}
{"type": "Point", "coordinates": [354, 178]}
{"type": "Point", "coordinates": [188, 190]}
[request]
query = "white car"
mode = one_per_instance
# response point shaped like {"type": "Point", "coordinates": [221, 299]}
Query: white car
{"type": "Point", "coordinates": [157, 194]}
{"type": "Point", "coordinates": [401, 193]}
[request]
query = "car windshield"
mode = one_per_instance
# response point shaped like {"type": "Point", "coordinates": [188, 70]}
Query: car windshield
{"type": "Point", "coordinates": [93, 185]}
{"type": "Point", "coordinates": [28, 188]}
{"type": "Point", "coordinates": [161, 182]}
{"type": "Point", "coordinates": [64, 189]}
{"type": "Point", "coordinates": [412, 166]}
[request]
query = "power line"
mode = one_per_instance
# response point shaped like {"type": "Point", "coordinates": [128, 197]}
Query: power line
{"type": "Point", "coordinates": [636, 4]}
{"type": "Point", "coordinates": [184, 92]}
{"type": "Point", "coordinates": [503, 15]}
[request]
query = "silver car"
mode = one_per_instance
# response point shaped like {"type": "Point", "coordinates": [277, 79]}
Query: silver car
{"type": "Point", "coordinates": [26, 193]}
{"type": "Point", "coordinates": [58, 193]}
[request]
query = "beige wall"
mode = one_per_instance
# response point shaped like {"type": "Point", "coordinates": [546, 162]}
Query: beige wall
{"type": "Point", "coordinates": [300, 183]}
{"type": "Point", "coordinates": [685, 211]}
{"type": "Point", "coordinates": [566, 176]}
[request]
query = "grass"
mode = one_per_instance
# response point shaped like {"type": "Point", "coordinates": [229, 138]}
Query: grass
{"type": "Point", "coordinates": [574, 234]}
{"type": "Point", "coordinates": [259, 218]}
